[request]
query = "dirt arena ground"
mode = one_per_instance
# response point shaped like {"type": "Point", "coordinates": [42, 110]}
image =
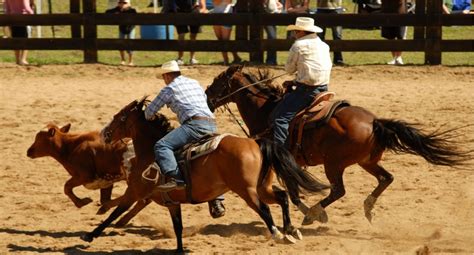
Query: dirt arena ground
{"type": "Point", "coordinates": [426, 209]}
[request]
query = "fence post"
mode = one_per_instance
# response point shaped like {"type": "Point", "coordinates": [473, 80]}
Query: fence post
{"type": "Point", "coordinates": [90, 31]}
{"type": "Point", "coordinates": [420, 9]}
{"type": "Point", "coordinates": [256, 32]}
{"type": "Point", "coordinates": [75, 7]}
{"type": "Point", "coordinates": [433, 32]}
{"type": "Point", "coordinates": [241, 32]}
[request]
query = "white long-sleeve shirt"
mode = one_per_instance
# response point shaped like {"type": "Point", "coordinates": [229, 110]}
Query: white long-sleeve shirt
{"type": "Point", "coordinates": [310, 57]}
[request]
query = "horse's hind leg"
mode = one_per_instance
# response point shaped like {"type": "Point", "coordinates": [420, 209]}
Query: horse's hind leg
{"type": "Point", "coordinates": [384, 178]}
{"type": "Point", "coordinates": [316, 212]}
{"type": "Point", "coordinates": [281, 198]}
{"type": "Point", "coordinates": [263, 210]}
{"type": "Point", "coordinates": [109, 204]}
{"type": "Point", "coordinates": [134, 211]}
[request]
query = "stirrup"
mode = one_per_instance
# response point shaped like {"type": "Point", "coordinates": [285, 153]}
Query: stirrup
{"type": "Point", "coordinates": [148, 170]}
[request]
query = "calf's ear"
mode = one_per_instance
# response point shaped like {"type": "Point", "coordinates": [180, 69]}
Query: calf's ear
{"type": "Point", "coordinates": [66, 128]}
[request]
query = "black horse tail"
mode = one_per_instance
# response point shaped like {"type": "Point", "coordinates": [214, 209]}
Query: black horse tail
{"type": "Point", "coordinates": [287, 170]}
{"type": "Point", "coordinates": [437, 147]}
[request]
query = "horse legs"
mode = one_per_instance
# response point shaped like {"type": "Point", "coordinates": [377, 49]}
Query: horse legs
{"type": "Point", "coordinates": [68, 186]}
{"type": "Point", "coordinates": [109, 204]}
{"type": "Point", "coordinates": [136, 209]}
{"type": "Point", "coordinates": [251, 198]}
{"type": "Point", "coordinates": [384, 178]}
{"type": "Point", "coordinates": [175, 212]}
{"type": "Point", "coordinates": [281, 197]}
{"type": "Point", "coordinates": [99, 229]}
{"type": "Point", "coordinates": [106, 194]}
{"type": "Point", "coordinates": [317, 212]}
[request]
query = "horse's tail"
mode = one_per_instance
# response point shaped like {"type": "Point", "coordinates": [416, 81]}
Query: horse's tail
{"type": "Point", "coordinates": [287, 170]}
{"type": "Point", "coordinates": [437, 147]}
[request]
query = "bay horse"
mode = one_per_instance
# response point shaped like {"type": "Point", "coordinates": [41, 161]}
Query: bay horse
{"type": "Point", "coordinates": [353, 135]}
{"type": "Point", "coordinates": [88, 160]}
{"type": "Point", "coordinates": [237, 164]}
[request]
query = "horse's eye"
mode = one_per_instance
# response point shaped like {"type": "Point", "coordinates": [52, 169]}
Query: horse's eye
{"type": "Point", "coordinates": [123, 118]}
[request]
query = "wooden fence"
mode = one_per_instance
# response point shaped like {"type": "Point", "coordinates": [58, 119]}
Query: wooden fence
{"type": "Point", "coordinates": [428, 22]}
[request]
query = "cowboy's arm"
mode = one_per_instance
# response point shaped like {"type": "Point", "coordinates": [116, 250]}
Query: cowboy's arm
{"type": "Point", "coordinates": [160, 100]}
{"type": "Point", "coordinates": [291, 62]}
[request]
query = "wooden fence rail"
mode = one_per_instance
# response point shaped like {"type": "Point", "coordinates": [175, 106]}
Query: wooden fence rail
{"type": "Point", "coordinates": [427, 32]}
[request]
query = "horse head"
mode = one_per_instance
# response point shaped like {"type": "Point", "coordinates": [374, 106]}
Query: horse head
{"type": "Point", "coordinates": [47, 141]}
{"type": "Point", "coordinates": [221, 87]}
{"type": "Point", "coordinates": [122, 122]}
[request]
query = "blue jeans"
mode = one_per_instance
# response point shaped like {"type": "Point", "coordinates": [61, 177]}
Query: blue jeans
{"type": "Point", "coordinates": [271, 54]}
{"type": "Point", "coordinates": [289, 106]}
{"type": "Point", "coordinates": [189, 131]}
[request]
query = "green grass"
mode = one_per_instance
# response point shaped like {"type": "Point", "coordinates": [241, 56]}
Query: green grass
{"type": "Point", "coordinates": [148, 58]}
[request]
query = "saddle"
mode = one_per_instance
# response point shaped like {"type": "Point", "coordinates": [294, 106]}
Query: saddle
{"type": "Point", "coordinates": [313, 116]}
{"type": "Point", "coordinates": [184, 157]}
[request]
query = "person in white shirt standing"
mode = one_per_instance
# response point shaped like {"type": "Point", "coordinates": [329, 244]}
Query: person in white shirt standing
{"type": "Point", "coordinates": [310, 58]}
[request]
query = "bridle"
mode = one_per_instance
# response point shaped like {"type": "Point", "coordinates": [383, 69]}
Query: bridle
{"type": "Point", "coordinates": [221, 98]}
{"type": "Point", "coordinates": [227, 86]}
{"type": "Point", "coordinates": [123, 122]}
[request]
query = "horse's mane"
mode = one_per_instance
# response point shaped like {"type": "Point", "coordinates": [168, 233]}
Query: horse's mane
{"type": "Point", "coordinates": [268, 88]}
{"type": "Point", "coordinates": [160, 122]}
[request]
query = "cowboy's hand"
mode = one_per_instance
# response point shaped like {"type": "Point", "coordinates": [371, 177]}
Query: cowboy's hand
{"type": "Point", "coordinates": [289, 86]}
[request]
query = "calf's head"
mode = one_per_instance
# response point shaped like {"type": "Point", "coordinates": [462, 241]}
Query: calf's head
{"type": "Point", "coordinates": [47, 142]}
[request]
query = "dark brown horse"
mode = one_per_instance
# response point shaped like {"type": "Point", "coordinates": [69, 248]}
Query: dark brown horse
{"type": "Point", "coordinates": [239, 164]}
{"type": "Point", "coordinates": [352, 136]}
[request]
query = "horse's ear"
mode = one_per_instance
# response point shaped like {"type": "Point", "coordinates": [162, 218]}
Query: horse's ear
{"type": "Point", "coordinates": [66, 128]}
{"type": "Point", "coordinates": [51, 131]}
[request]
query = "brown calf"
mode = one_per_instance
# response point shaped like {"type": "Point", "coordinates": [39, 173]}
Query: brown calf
{"type": "Point", "coordinates": [86, 158]}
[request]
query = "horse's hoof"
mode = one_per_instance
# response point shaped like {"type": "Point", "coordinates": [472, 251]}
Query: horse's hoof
{"type": "Point", "coordinates": [297, 234]}
{"type": "Point", "coordinates": [290, 239]}
{"type": "Point", "coordinates": [368, 206]}
{"type": "Point", "coordinates": [102, 210]}
{"type": "Point", "coordinates": [277, 235]}
{"type": "Point", "coordinates": [303, 208]}
{"type": "Point", "coordinates": [317, 213]}
{"type": "Point", "coordinates": [83, 202]}
{"type": "Point", "coordinates": [87, 237]}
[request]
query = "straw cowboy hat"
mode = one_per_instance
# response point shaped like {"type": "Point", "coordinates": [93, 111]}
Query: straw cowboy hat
{"type": "Point", "coordinates": [168, 67]}
{"type": "Point", "coordinates": [304, 24]}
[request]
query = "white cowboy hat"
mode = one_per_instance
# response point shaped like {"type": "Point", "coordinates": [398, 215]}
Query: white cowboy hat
{"type": "Point", "coordinates": [125, 1]}
{"type": "Point", "coordinates": [168, 67]}
{"type": "Point", "coordinates": [304, 24]}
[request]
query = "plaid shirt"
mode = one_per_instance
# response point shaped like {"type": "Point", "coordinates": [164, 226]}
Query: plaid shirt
{"type": "Point", "coordinates": [184, 96]}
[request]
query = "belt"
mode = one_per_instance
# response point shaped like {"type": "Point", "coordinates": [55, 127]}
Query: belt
{"type": "Point", "coordinates": [200, 118]}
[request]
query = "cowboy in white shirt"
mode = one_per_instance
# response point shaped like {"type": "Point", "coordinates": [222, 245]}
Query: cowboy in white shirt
{"type": "Point", "coordinates": [310, 58]}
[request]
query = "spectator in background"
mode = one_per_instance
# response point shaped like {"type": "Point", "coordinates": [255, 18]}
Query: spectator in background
{"type": "Point", "coordinates": [296, 6]}
{"type": "Point", "coordinates": [19, 7]}
{"type": "Point", "coordinates": [461, 6]}
{"type": "Point", "coordinates": [392, 33]}
{"type": "Point", "coordinates": [447, 6]}
{"type": "Point", "coordinates": [223, 32]}
{"type": "Point", "coordinates": [188, 6]}
{"type": "Point", "coordinates": [272, 6]}
{"type": "Point", "coordinates": [125, 31]}
{"type": "Point", "coordinates": [334, 7]}
{"type": "Point", "coordinates": [2, 10]}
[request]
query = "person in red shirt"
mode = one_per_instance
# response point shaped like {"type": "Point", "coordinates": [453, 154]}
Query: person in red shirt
{"type": "Point", "coordinates": [19, 7]}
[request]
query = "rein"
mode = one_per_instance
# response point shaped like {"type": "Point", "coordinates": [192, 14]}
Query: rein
{"type": "Point", "coordinates": [247, 86]}
{"type": "Point", "coordinates": [236, 120]}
